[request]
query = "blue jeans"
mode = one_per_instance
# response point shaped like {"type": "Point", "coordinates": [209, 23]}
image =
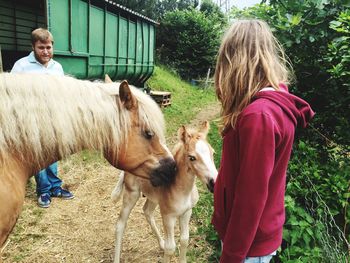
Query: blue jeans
{"type": "Point", "coordinates": [47, 179]}
{"type": "Point", "coordinates": [263, 259]}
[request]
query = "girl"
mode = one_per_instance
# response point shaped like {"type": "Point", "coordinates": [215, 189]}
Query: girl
{"type": "Point", "coordinates": [259, 119]}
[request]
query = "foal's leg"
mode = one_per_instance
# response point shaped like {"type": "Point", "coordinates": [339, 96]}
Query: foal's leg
{"type": "Point", "coordinates": [184, 221]}
{"type": "Point", "coordinates": [148, 209]}
{"type": "Point", "coordinates": [169, 244]}
{"type": "Point", "coordinates": [130, 198]}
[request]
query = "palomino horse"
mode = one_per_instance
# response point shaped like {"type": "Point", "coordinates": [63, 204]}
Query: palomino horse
{"type": "Point", "coordinates": [194, 158]}
{"type": "Point", "coordinates": [46, 118]}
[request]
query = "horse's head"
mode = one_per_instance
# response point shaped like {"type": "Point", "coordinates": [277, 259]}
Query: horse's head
{"type": "Point", "coordinates": [199, 153]}
{"type": "Point", "coordinates": [143, 153]}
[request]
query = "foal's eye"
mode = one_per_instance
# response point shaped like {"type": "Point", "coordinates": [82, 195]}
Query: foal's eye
{"type": "Point", "coordinates": [192, 158]}
{"type": "Point", "coordinates": [148, 135]}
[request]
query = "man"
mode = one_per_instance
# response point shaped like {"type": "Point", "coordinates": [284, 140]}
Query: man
{"type": "Point", "coordinates": [40, 61]}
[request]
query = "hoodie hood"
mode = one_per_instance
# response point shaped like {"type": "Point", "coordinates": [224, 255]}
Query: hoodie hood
{"type": "Point", "coordinates": [298, 110]}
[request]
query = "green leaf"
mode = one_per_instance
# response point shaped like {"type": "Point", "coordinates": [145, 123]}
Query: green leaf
{"type": "Point", "coordinates": [346, 195]}
{"type": "Point", "coordinates": [296, 19]}
{"type": "Point", "coordinates": [311, 39]}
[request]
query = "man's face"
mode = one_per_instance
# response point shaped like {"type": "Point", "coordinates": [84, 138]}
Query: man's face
{"type": "Point", "coordinates": [43, 51]}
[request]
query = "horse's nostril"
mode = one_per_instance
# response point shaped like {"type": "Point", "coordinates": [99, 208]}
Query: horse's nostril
{"type": "Point", "coordinates": [211, 185]}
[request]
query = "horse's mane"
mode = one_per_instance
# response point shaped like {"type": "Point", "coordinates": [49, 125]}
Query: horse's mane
{"type": "Point", "coordinates": [44, 116]}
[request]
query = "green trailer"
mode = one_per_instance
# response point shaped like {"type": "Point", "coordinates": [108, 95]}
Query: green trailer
{"type": "Point", "coordinates": [92, 37]}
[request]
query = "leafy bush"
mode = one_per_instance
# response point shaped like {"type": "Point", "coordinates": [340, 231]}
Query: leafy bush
{"type": "Point", "coordinates": [156, 9]}
{"type": "Point", "coordinates": [301, 234]}
{"type": "Point", "coordinates": [339, 52]}
{"type": "Point", "coordinates": [188, 41]}
{"type": "Point", "coordinates": [338, 58]}
{"type": "Point", "coordinates": [317, 205]}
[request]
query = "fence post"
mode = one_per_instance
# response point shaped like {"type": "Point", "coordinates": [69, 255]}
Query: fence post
{"type": "Point", "coordinates": [207, 79]}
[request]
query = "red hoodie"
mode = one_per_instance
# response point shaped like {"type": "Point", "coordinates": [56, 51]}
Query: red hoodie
{"type": "Point", "coordinates": [249, 191]}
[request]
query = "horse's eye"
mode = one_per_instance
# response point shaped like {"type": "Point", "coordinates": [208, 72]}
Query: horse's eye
{"type": "Point", "coordinates": [148, 135]}
{"type": "Point", "coordinates": [192, 158]}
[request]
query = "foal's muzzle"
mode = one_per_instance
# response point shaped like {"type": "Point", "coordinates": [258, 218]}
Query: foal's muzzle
{"type": "Point", "coordinates": [165, 174]}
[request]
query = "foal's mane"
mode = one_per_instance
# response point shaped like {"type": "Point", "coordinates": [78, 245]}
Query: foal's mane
{"type": "Point", "coordinates": [45, 116]}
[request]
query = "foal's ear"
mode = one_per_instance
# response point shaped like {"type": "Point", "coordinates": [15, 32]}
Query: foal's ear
{"type": "Point", "coordinates": [108, 79]}
{"type": "Point", "coordinates": [204, 129]}
{"type": "Point", "coordinates": [182, 134]}
{"type": "Point", "coordinates": [126, 96]}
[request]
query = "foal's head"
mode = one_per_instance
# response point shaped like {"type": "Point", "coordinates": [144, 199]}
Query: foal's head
{"type": "Point", "coordinates": [143, 152]}
{"type": "Point", "coordinates": [199, 154]}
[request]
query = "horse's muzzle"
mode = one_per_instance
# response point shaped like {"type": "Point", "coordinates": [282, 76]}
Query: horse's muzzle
{"type": "Point", "coordinates": [164, 175]}
{"type": "Point", "coordinates": [211, 185]}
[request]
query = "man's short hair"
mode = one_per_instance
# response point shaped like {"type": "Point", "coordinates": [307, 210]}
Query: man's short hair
{"type": "Point", "coordinates": [41, 34]}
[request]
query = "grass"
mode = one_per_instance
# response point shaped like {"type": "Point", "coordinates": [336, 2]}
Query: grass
{"type": "Point", "coordinates": [186, 100]}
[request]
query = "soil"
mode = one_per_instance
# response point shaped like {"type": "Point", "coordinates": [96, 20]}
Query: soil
{"type": "Point", "coordinates": [82, 229]}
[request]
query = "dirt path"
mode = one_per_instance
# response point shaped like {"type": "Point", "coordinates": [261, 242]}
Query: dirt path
{"type": "Point", "coordinates": [82, 229]}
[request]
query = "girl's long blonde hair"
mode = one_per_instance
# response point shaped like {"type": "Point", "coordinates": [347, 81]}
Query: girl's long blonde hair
{"type": "Point", "coordinates": [249, 59]}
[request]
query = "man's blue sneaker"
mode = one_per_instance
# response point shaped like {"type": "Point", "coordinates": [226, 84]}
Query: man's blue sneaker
{"type": "Point", "coordinates": [44, 200]}
{"type": "Point", "coordinates": [62, 193]}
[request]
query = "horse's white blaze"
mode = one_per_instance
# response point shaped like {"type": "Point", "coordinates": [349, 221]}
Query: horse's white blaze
{"type": "Point", "coordinates": [203, 151]}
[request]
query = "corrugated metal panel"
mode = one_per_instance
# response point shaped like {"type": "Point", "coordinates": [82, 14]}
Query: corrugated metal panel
{"type": "Point", "coordinates": [102, 38]}
{"type": "Point", "coordinates": [92, 37]}
{"type": "Point", "coordinates": [17, 20]}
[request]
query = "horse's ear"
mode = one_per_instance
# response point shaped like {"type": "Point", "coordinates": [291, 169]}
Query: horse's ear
{"type": "Point", "coordinates": [204, 129]}
{"type": "Point", "coordinates": [126, 96]}
{"type": "Point", "coordinates": [182, 134]}
{"type": "Point", "coordinates": [108, 79]}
